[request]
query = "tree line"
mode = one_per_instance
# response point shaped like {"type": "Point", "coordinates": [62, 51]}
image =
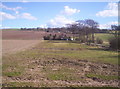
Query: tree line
{"type": "Point", "coordinates": [82, 31]}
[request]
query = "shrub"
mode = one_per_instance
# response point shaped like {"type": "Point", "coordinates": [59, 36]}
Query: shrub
{"type": "Point", "coordinates": [99, 41]}
{"type": "Point", "coordinates": [47, 37]}
{"type": "Point", "coordinates": [55, 37]}
{"type": "Point", "coordinates": [115, 43]}
{"type": "Point", "coordinates": [89, 42]}
{"type": "Point", "coordinates": [83, 40]}
{"type": "Point", "coordinates": [77, 39]}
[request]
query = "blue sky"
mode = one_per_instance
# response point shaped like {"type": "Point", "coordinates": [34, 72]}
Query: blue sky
{"type": "Point", "coordinates": [56, 14]}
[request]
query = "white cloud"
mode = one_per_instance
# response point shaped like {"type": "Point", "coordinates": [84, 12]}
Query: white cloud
{"type": "Point", "coordinates": [28, 16]}
{"type": "Point", "coordinates": [59, 21]}
{"type": "Point", "coordinates": [0, 25]}
{"type": "Point", "coordinates": [6, 16]}
{"type": "Point", "coordinates": [69, 11]}
{"type": "Point", "coordinates": [9, 8]}
{"type": "Point", "coordinates": [114, 23]}
{"type": "Point", "coordinates": [25, 1]}
{"type": "Point", "coordinates": [17, 14]}
{"type": "Point", "coordinates": [4, 27]}
{"type": "Point", "coordinates": [108, 25]}
{"type": "Point", "coordinates": [44, 26]}
{"type": "Point", "coordinates": [111, 10]}
{"type": "Point", "coordinates": [112, 6]}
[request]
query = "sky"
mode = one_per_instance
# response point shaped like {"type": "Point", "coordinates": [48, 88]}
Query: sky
{"type": "Point", "coordinates": [57, 14]}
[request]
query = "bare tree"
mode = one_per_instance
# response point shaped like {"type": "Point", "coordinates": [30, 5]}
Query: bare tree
{"type": "Point", "coordinates": [73, 29]}
{"type": "Point", "coordinates": [84, 29]}
{"type": "Point", "coordinates": [93, 25]}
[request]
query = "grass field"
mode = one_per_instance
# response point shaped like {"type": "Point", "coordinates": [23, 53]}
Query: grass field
{"type": "Point", "coordinates": [105, 37]}
{"type": "Point", "coordinates": [61, 63]}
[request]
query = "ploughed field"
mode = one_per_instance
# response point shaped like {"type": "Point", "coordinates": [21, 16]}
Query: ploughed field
{"type": "Point", "coordinates": [16, 40]}
{"type": "Point", "coordinates": [22, 35]}
{"type": "Point", "coordinates": [13, 46]}
{"type": "Point", "coordinates": [60, 63]}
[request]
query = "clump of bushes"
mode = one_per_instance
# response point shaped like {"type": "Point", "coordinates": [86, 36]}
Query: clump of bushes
{"type": "Point", "coordinates": [99, 41]}
{"type": "Point", "coordinates": [46, 37]}
{"type": "Point", "coordinates": [55, 37]}
{"type": "Point", "coordinates": [115, 43]}
{"type": "Point", "coordinates": [82, 40]}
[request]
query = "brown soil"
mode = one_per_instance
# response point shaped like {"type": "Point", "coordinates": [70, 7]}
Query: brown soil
{"type": "Point", "coordinates": [22, 35]}
{"type": "Point", "coordinates": [36, 76]}
{"type": "Point", "coordinates": [16, 40]}
{"type": "Point", "coordinates": [11, 46]}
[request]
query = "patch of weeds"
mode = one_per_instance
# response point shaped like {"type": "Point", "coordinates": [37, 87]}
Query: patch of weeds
{"type": "Point", "coordinates": [12, 74]}
{"type": "Point", "coordinates": [59, 76]}
{"type": "Point", "coordinates": [105, 77]}
{"type": "Point", "coordinates": [64, 76]}
{"type": "Point", "coordinates": [5, 66]}
{"type": "Point", "coordinates": [74, 87]}
{"type": "Point", "coordinates": [51, 69]}
{"type": "Point", "coordinates": [19, 84]}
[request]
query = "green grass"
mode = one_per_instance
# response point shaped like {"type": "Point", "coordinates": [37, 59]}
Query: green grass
{"type": "Point", "coordinates": [104, 36]}
{"type": "Point", "coordinates": [17, 84]}
{"type": "Point", "coordinates": [63, 73]}
{"type": "Point", "coordinates": [102, 76]}
{"type": "Point", "coordinates": [11, 66]}
{"type": "Point", "coordinates": [48, 52]}
{"type": "Point", "coordinates": [11, 29]}
{"type": "Point", "coordinates": [78, 51]}
{"type": "Point", "coordinates": [69, 50]}
{"type": "Point", "coordinates": [12, 74]}
{"type": "Point", "coordinates": [63, 77]}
